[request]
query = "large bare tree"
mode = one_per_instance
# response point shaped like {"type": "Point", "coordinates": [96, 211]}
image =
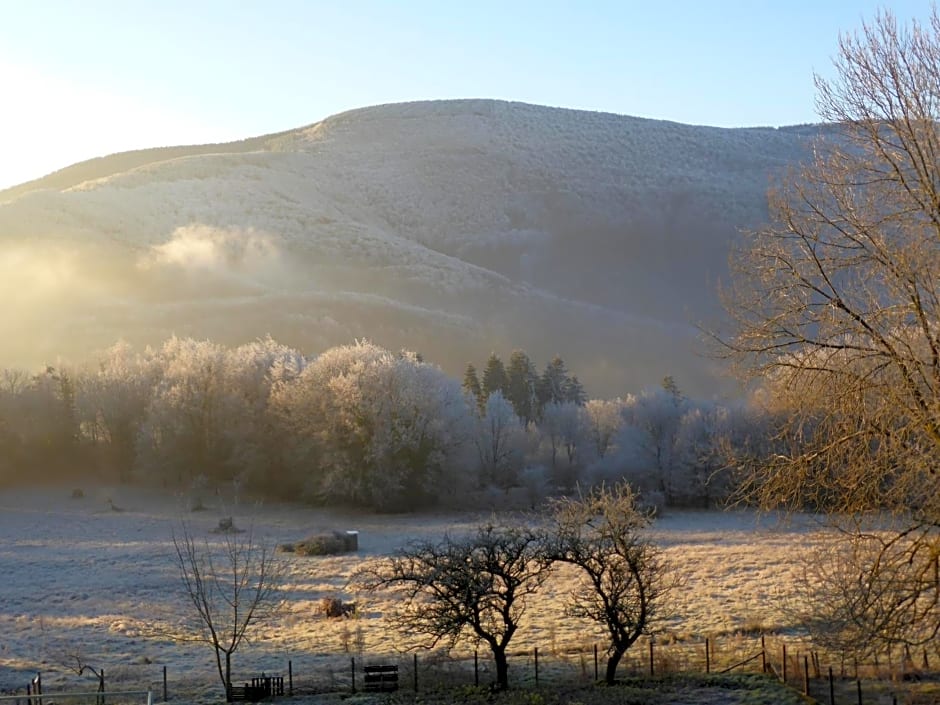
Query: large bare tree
{"type": "Point", "coordinates": [837, 306]}
{"type": "Point", "coordinates": [231, 585]}
{"type": "Point", "coordinates": [474, 586]}
{"type": "Point", "coordinates": [625, 583]}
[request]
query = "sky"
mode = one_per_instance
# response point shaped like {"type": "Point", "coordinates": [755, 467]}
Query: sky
{"type": "Point", "coordinates": [86, 78]}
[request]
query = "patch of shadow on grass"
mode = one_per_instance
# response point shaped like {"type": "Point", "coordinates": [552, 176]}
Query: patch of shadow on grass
{"type": "Point", "coordinates": [745, 689]}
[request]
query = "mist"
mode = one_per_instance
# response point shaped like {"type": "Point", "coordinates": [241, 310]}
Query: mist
{"type": "Point", "coordinates": [454, 228]}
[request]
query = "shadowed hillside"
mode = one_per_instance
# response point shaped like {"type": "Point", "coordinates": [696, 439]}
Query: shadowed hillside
{"type": "Point", "coordinates": [452, 227]}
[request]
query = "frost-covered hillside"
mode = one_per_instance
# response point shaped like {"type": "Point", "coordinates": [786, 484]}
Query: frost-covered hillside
{"type": "Point", "coordinates": [452, 227]}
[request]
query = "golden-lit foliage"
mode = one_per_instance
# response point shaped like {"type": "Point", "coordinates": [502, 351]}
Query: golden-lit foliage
{"type": "Point", "coordinates": [837, 306]}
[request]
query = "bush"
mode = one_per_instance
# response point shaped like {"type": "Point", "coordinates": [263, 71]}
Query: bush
{"type": "Point", "coordinates": [227, 526]}
{"type": "Point", "coordinates": [323, 544]}
{"type": "Point", "coordinates": [333, 607]}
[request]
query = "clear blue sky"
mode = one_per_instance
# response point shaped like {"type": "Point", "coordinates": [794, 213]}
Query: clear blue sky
{"type": "Point", "coordinates": [84, 78]}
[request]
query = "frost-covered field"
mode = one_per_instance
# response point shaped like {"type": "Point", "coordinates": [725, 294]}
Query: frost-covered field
{"type": "Point", "coordinates": [83, 580]}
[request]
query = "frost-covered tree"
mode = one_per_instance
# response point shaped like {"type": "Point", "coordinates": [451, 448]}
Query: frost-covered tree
{"type": "Point", "coordinates": [564, 432]}
{"type": "Point", "coordinates": [656, 414]}
{"type": "Point", "coordinates": [113, 402]}
{"type": "Point", "coordinates": [253, 370]}
{"type": "Point", "coordinates": [603, 420]}
{"type": "Point", "coordinates": [302, 413]}
{"type": "Point", "coordinates": [375, 428]}
{"type": "Point", "coordinates": [411, 418]}
{"type": "Point", "coordinates": [13, 381]}
{"type": "Point", "coordinates": [499, 442]}
{"type": "Point", "coordinates": [700, 461]}
{"type": "Point", "coordinates": [196, 416]}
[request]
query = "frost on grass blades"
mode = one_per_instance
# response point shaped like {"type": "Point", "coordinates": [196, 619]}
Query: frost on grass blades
{"type": "Point", "coordinates": [79, 575]}
{"type": "Point", "coordinates": [120, 697]}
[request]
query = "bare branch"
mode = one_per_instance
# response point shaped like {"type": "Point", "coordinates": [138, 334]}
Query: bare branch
{"type": "Point", "coordinates": [230, 586]}
{"type": "Point", "coordinates": [473, 586]}
{"type": "Point", "coordinates": [625, 581]}
{"type": "Point", "coordinates": [837, 317]}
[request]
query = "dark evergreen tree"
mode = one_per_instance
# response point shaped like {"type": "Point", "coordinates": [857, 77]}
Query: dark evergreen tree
{"type": "Point", "coordinates": [553, 382]}
{"type": "Point", "coordinates": [471, 383]}
{"type": "Point", "coordinates": [522, 380]}
{"type": "Point", "coordinates": [574, 391]}
{"type": "Point", "coordinates": [669, 384]}
{"type": "Point", "coordinates": [494, 377]}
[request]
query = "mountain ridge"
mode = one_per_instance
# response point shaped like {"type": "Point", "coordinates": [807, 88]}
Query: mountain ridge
{"type": "Point", "coordinates": [591, 235]}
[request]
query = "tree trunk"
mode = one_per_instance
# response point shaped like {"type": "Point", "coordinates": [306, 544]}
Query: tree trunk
{"type": "Point", "coordinates": [218, 664]}
{"type": "Point", "coordinates": [502, 668]}
{"type": "Point", "coordinates": [228, 674]}
{"type": "Point", "coordinates": [610, 675]}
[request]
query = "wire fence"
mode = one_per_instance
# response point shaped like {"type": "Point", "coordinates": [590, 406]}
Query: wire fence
{"type": "Point", "coordinates": [903, 677]}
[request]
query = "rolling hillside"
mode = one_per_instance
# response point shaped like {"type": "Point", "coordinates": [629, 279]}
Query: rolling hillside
{"type": "Point", "coordinates": [451, 227]}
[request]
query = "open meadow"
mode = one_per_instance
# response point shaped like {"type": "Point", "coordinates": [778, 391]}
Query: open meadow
{"type": "Point", "coordinates": [95, 580]}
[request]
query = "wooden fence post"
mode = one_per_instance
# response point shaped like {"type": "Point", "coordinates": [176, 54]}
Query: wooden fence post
{"type": "Point", "coordinates": [784, 663]}
{"type": "Point", "coordinates": [858, 685]}
{"type": "Point", "coordinates": [352, 671]}
{"type": "Point", "coordinates": [164, 685]}
{"type": "Point", "coordinates": [596, 672]}
{"type": "Point", "coordinates": [832, 688]}
{"type": "Point", "coordinates": [652, 669]}
{"type": "Point", "coordinates": [416, 670]}
{"type": "Point", "coordinates": [805, 675]}
{"type": "Point", "coordinates": [708, 656]}
{"type": "Point", "coordinates": [476, 668]}
{"type": "Point", "coordinates": [763, 655]}
{"type": "Point", "coordinates": [536, 653]}
{"type": "Point", "coordinates": [290, 677]}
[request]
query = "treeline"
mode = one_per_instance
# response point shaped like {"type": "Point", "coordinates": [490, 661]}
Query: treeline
{"type": "Point", "coordinates": [361, 425]}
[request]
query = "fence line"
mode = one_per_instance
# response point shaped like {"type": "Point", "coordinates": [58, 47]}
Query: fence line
{"type": "Point", "coordinates": [827, 677]}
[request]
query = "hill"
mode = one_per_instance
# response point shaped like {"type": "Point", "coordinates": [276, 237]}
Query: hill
{"type": "Point", "coordinates": [451, 227]}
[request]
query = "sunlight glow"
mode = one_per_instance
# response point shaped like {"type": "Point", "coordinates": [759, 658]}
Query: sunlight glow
{"type": "Point", "coordinates": [49, 123]}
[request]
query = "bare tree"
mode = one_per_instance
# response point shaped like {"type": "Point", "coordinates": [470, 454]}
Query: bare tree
{"type": "Point", "coordinates": [76, 662]}
{"type": "Point", "coordinates": [230, 585]}
{"type": "Point", "coordinates": [872, 589]}
{"type": "Point", "coordinates": [837, 306]}
{"type": "Point", "coordinates": [625, 582]}
{"type": "Point", "coordinates": [474, 585]}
